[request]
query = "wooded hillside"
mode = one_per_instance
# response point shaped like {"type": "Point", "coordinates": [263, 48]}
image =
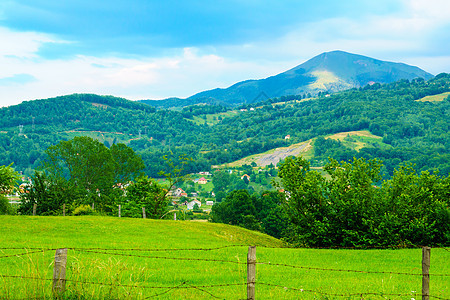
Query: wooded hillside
{"type": "Point", "coordinates": [411, 130]}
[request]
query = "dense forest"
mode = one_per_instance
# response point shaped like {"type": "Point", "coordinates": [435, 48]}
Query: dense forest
{"type": "Point", "coordinates": [412, 131]}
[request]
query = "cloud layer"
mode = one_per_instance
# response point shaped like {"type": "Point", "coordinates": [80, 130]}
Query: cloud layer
{"type": "Point", "coordinates": [159, 49]}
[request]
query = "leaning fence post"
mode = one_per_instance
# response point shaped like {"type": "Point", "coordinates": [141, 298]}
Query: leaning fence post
{"type": "Point", "coordinates": [120, 210]}
{"type": "Point", "coordinates": [251, 272]}
{"type": "Point", "coordinates": [59, 272]}
{"type": "Point", "coordinates": [143, 213]}
{"type": "Point", "coordinates": [34, 209]}
{"type": "Point", "coordinates": [426, 273]}
{"type": "Point", "coordinates": [64, 210]}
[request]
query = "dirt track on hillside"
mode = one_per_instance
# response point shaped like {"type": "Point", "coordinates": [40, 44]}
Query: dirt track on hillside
{"type": "Point", "coordinates": [280, 154]}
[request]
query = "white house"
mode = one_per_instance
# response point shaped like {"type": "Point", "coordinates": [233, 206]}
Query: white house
{"type": "Point", "coordinates": [190, 205]}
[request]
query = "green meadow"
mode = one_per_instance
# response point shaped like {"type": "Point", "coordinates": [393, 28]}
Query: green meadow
{"type": "Point", "coordinates": [122, 258]}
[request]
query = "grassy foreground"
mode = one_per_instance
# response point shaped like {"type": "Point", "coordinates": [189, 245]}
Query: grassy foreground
{"type": "Point", "coordinates": [184, 274]}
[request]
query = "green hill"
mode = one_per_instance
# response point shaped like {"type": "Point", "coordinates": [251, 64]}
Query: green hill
{"type": "Point", "coordinates": [416, 131]}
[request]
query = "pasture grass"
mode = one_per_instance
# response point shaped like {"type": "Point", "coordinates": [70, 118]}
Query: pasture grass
{"type": "Point", "coordinates": [434, 98]}
{"type": "Point", "coordinates": [143, 274]}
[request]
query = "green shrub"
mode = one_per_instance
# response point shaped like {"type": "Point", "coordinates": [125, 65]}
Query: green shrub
{"type": "Point", "coordinates": [83, 210]}
{"type": "Point", "coordinates": [5, 207]}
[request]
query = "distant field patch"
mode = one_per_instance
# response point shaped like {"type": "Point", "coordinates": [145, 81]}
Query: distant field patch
{"type": "Point", "coordinates": [212, 119]}
{"type": "Point", "coordinates": [325, 79]}
{"type": "Point", "coordinates": [102, 136]}
{"type": "Point", "coordinates": [274, 156]}
{"type": "Point", "coordinates": [434, 98]}
{"type": "Point", "coordinates": [357, 140]}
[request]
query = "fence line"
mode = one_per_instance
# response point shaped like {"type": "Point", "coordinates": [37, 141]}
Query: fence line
{"type": "Point", "coordinates": [251, 279]}
{"type": "Point", "coordinates": [220, 260]}
{"type": "Point", "coordinates": [345, 295]}
{"type": "Point", "coordinates": [185, 285]}
{"type": "Point", "coordinates": [342, 270]}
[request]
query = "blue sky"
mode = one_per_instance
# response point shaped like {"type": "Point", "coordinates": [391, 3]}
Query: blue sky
{"type": "Point", "coordinates": [146, 49]}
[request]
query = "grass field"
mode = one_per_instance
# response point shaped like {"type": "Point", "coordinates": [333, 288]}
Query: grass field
{"type": "Point", "coordinates": [175, 273]}
{"type": "Point", "coordinates": [434, 98]}
{"type": "Point", "coordinates": [212, 119]}
{"type": "Point", "coordinates": [357, 140]}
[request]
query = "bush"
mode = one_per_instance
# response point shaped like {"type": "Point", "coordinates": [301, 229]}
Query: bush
{"type": "Point", "coordinates": [5, 207]}
{"type": "Point", "coordinates": [83, 210]}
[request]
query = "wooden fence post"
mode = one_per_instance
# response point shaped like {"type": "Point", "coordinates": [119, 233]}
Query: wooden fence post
{"type": "Point", "coordinates": [426, 273]}
{"type": "Point", "coordinates": [174, 216]}
{"type": "Point", "coordinates": [120, 211]}
{"type": "Point", "coordinates": [93, 206]}
{"type": "Point", "coordinates": [34, 209]}
{"type": "Point", "coordinates": [59, 273]}
{"type": "Point", "coordinates": [64, 210]}
{"type": "Point", "coordinates": [143, 213]}
{"type": "Point", "coordinates": [251, 272]}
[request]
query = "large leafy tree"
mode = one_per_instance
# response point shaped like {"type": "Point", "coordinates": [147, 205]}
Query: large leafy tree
{"type": "Point", "coordinates": [238, 208]}
{"type": "Point", "coordinates": [48, 194]}
{"type": "Point", "coordinates": [8, 180]}
{"type": "Point", "coordinates": [89, 166]}
{"type": "Point", "coordinates": [348, 207]}
{"type": "Point", "coordinates": [145, 192]}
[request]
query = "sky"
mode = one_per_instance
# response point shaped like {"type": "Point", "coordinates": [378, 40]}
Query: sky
{"type": "Point", "coordinates": [154, 49]}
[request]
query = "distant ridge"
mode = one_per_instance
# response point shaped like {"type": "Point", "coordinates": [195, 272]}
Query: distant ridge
{"type": "Point", "coordinates": [330, 71]}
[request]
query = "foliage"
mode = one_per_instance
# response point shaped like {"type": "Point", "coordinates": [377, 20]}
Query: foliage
{"type": "Point", "coordinates": [92, 170]}
{"type": "Point", "coordinates": [83, 210]}
{"type": "Point", "coordinates": [415, 131]}
{"type": "Point", "coordinates": [348, 209]}
{"type": "Point", "coordinates": [8, 181]}
{"type": "Point", "coordinates": [48, 194]}
{"type": "Point", "coordinates": [145, 192]}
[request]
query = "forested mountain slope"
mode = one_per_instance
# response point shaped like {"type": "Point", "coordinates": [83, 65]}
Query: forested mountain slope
{"type": "Point", "coordinates": [416, 131]}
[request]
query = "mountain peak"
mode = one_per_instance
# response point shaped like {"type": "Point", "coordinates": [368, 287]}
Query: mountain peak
{"type": "Point", "coordinates": [330, 71]}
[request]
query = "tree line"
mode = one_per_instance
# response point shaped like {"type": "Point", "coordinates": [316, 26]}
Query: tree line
{"type": "Point", "coordinates": [349, 207]}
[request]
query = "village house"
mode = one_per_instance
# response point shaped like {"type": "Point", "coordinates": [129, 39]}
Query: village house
{"type": "Point", "coordinates": [202, 181]}
{"type": "Point", "coordinates": [179, 192]}
{"type": "Point", "coordinates": [287, 137]}
{"type": "Point", "coordinates": [190, 205]}
{"type": "Point", "coordinates": [210, 203]}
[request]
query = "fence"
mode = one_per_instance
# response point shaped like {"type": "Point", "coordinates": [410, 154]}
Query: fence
{"type": "Point", "coordinates": [252, 283]}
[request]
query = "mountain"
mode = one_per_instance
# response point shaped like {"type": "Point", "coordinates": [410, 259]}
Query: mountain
{"type": "Point", "coordinates": [328, 72]}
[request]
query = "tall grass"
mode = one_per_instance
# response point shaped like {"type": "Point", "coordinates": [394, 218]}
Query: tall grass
{"type": "Point", "coordinates": [131, 274]}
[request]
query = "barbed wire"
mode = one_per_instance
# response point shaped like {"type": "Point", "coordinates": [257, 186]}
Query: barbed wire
{"type": "Point", "coordinates": [24, 253]}
{"type": "Point", "coordinates": [201, 288]}
{"type": "Point", "coordinates": [344, 295]}
{"type": "Point", "coordinates": [124, 285]}
{"type": "Point", "coordinates": [169, 258]}
{"type": "Point", "coordinates": [226, 261]}
{"type": "Point", "coordinates": [343, 270]}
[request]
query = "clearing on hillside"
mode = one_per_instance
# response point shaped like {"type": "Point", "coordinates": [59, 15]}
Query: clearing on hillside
{"type": "Point", "coordinates": [274, 156]}
{"type": "Point", "coordinates": [358, 139]}
{"type": "Point", "coordinates": [434, 98]}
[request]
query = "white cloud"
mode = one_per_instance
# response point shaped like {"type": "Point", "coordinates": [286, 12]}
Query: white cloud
{"type": "Point", "coordinates": [21, 44]}
{"type": "Point", "coordinates": [403, 36]}
{"type": "Point", "coordinates": [147, 78]}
